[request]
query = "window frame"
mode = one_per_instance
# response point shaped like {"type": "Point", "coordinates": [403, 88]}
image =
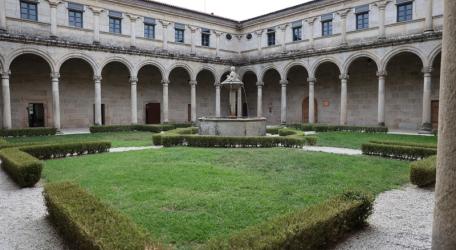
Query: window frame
{"type": "Point", "coordinates": [327, 31]}
{"type": "Point", "coordinates": [205, 38]}
{"type": "Point", "coordinates": [149, 31]}
{"type": "Point", "coordinates": [74, 24]}
{"type": "Point", "coordinates": [177, 37]}
{"type": "Point", "coordinates": [407, 16]}
{"type": "Point", "coordinates": [271, 37]}
{"type": "Point", "coordinates": [26, 16]}
{"type": "Point", "coordinates": [296, 37]}
{"type": "Point", "coordinates": [114, 29]}
{"type": "Point", "coordinates": [365, 20]}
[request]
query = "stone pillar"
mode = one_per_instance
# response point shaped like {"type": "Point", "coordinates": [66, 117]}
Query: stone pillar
{"type": "Point", "coordinates": [193, 30]}
{"type": "Point", "coordinates": [259, 34]}
{"type": "Point", "coordinates": [2, 16]}
{"type": "Point", "coordinates": [381, 5]}
{"type": "Point", "coordinates": [165, 111]}
{"type": "Point", "coordinates": [239, 102]}
{"type": "Point", "coordinates": [217, 100]}
{"type": "Point", "coordinates": [426, 116]}
{"type": "Point", "coordinates": [134, 100]}
{"type": "Point", "coordinates": [133, 19]}
{"type": "Point", "coordinates": [55, 99]}
{"type": "Point", "coordinates": [217, 43]}
{"type": "Point", "coordinates": [53, 4]}
{"type": "Point", "coordinates": [381, 98]}
{"type": "Point", "coordinates": [232, 103]}
{"type": "Point", "coordinates": [310, 25]}
{"type": "Point", "coordinates": [165, 33]}
{"type": "Point", "coordinates": [311, 81]}
{"type": "Point", "coordinates": [6, 98]}
{"type": "Point", "coordinates": [343, 99]}
{"type": "Point", "coordinates": [260, 99]}
{"type": "Point", "coordinates": [283, 29]}
{"type": "Point", "coordinates": [283, 102]}
{"type": "Point", "coordinates": [428, 22]}
{"type": "Point", "coordinates": [444, 227]}
{"type": "Point", "coordinates": [96, 23]}
{"type": "Point", "coordinates": [343, 29]}
{"type": "Point", "coordinates": [193, 100]}
{"type": "Point", "coordinates": [98, 120]}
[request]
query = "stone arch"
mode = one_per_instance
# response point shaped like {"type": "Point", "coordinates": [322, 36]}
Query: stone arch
{"type": "Point", "coordinates": [2, 64]}
{"type": "Point", "coordinates": [81, 56]}
{"type": "Point", "coordinates": [36, 52]}
{"type": "Point", "coordinates": [289, 66]}
{"type": "Point", "coordinates": [387, 58]}
{"type": "Point", "coordinates": [433, 55]}
{"type": "Point", "coordinates": [266, 69]}
{"type": "Point", "coordinates": [152, 63]}
{"type": "Point", "coordinates": [210, 69]}
{"type": "Point", "coordinates": [244, 70]}
{"type": "Point", "coordinates": [184, 66]}
{"type": "Point", "coordinates": [319, 62]}
{"type": "Point", "coordinates": [121, 60]}
{"type": "Point", "coordinates": [359, 55]}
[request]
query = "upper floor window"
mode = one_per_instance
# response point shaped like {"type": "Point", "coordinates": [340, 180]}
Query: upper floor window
{"type": "Point", "coordinates": [149, 28]}
{"type": "Point", "coordinates": [29, 10]}
{"type": "Point", "coordinates": [271, 37]}
{"type": "Point", "coordinates": [327, 25]}
{"type": "Point", "coordinates": [115, 22]}
{"type": "Point", "coordinates": [404, 10]}
{"type": "Point", "coordinates": [362, 17]}
{"type": "Point", "coordinates": [297, 30]}
{"type": "Point", "coordinates": [205, 37]}
{"type": "Point", "coordinates": [75, 15]}
{"type": "Point", "coordinates": [179, 33]}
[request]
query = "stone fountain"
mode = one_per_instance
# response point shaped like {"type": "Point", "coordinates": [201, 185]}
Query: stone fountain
{"type": "Point", "coordinates": [234, 124]}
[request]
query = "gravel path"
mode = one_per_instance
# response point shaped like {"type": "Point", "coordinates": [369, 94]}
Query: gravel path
{"type": "Point", "coordinates": [402, 219]}
{"type": "Point", "coordinates": [340, 151]}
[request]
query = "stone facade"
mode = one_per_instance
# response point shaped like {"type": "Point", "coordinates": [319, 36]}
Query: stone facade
{"type": "Point", "coordinates": [387, 73]}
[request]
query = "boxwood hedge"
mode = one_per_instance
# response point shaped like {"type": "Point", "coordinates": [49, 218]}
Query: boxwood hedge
{"type": "Point", "coordinates": [60, 150]}
{"type": "Point", "coordinates": [330, 128]}
{"type": "Point", "coordinates": [316, 227]}
{"type": "Point", "coordinates": [86, 223]}
{"type": "Point", "coordinates": [27, 132]}
{"type": "Point", "coordinates": [399, 151]}
{"type": "Point", "coordinates": [148, 128]}
{"type": "Point", "coordinates": [423, 172]}
{"type": "Point", "coordinates": [23, 168]}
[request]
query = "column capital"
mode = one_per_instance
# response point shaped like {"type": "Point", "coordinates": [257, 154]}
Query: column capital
{"type": "Point", "coordinates": [55, 75]}
{"type": "Point", "coordinates": [344, 76]}
{"type": "Point", "coordinates": [381, 5]}
{"type": "Point", "coordinates": [165, 82]}
{"type": "Point", "coordinates": [382, 73]}
{"type": "Point", "coordinates": [96, 10]}
{"type": "Point", "coordinates": [5, 74]}
{"type": "Point", "coordinates": [54, 3]}
{"type": "Point", "coordinates": [217, 84]}
{"type": "Point", "coordinates": [97, 78]}
{"type": "Point", "coordinates": [192, 82]}
{"type": "Point", "coordinates": [283, 27]}
{"type": "Point", "coordinates": [427, 70]}
{"type": "Point", "coordinates": [283, 83]}
{"type": "Point", "coordinates": [260, 84]}
{"type": "Point", "coordinates": [192, 28]}
{"type": "Point", "coordinates": [259, 33]}
{"type": "Point", "coordinates": [165, 23]}
{"type": "Point", "coordinates": [310, 20]}
{"type": "Point", "coordinates": [133, 17]}
{"type": "Point", "coordinates": [217, 33]}
{"type": "Point", "coordinates": [312, 80]}
{"type": "Point", "coordinates": [133, 79]}
{"type": "Point", "coordinates": [343, 13]}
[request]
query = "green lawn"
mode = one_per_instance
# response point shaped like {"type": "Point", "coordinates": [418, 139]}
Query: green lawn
{"type": "Point", "coordinates": [118, 139]}
{"type": "Point", "coordinates": [355, 140]}
{"type": "Point", "coordinates": [185, 196]}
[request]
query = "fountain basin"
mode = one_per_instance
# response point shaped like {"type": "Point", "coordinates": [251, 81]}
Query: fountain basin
{"type": "Point", "coordinates": [232, 126]}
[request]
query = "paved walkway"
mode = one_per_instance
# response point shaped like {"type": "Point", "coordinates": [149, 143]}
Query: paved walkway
{"type": "Point", "coordinates": [340, 151]}
{"type": "Point", "coordinates": [127, 149]}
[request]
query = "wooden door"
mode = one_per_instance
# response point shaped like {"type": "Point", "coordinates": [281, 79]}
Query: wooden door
{"type": "Point", "coordinates": [305, 110]}
{"type": "Point", "coordinates": [153, 113]}
{"type": "Point", "coordinates": [435, 114]}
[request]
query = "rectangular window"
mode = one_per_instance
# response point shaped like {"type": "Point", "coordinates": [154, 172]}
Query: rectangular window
{"type": "Point", "coordinates": [297, 30]}
{"type": "Point", "coordinates": [205, 37]}
{"type": "Point", "coordinates": [405, 12]}
{"type": "Point", "coordinates": [75, 15]}
{"type": "Point", "coordinates": [271, 37]}
{"type": "Point", "coordinates": [362, 20]}
{"type": "Point", "coordinates": [326, 28]}
{"type": "Point", "coordinates": [149, 28]}
{"type": "Point", "coordinates": [29, 10]}
{"type": "Point", "coordinates": [179, 33]}
{"type": "Point", "coordinates": [115, 22]}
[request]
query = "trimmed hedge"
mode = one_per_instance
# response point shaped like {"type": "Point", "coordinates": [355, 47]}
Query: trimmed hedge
{"type": "Point", "coordinates": [86, 223]}
{"type": "Point", "coordinates": [423, 173]}
{"type": "Point", "coordinates": [317, 227]}
{"type": "Point", "coordinates": [287, 132]}
{"type": "Point", "coordinates": [331, 128]}
{"type": "Point", "coordinates": [52, 151]}
{"type": "Point", "coordinates": [419, 145]}
{"type": "Point", "coordinates": [148, 128]}
{"type": "Point", "coordinates": [397, 151]}
{"type": "Point", "coordinates": [27, 132]}
{"type": "Point", "coordinates": [273, 130]}
{"type": "Point", "coordinates": [23, 168]}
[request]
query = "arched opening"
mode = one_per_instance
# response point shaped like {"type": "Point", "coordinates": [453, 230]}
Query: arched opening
{"type": "Point", "coordinates": [31, 92]}
{"type": "Point", "coordinates": [115, 94]}
{"type": "Point", "coordinates": [362, 94]}
{"type": "Point", "coordinates": [297, 93]}
{"type": "Point", "coordinates": [249, 99]}
{"type": "Point", "coordinates": [179, 95]}
{"type": "Point", "coordinates": [76, 94]}
{"type": "Point", "coordinates": [404, 92]}
{"type": "Point", "coordinates": [205, 94]}
{"type": "Point", "coordinates": [150, 95]}
{"type": "Point", "coordinates": [327, 93]}
{"type": "Point", "coordinates": [435, 91]}
{"type": "Point", "coordinates": [272, 96]}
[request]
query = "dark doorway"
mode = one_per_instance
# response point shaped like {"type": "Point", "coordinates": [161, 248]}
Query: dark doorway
{"type": "Point", "coordinates": [245, 111]}
{"type": "Point", "coordinates": [35, 115]}
{"type": "Point", "coordinates": [189, 112]}
{"type": "Point", "coordinates": [102, 114]}
{"type": "Point", "coordinates": [435, 114]}
{"type": "Point", "coordinates": [153, 113]}
{"type": "Point", "coordinates": [305, 110]}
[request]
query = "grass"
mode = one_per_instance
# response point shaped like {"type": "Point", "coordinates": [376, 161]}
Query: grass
{"type": "Point", "coordinates": [185, 196]}
{"type": "Point", "coordinates": [355, 140]}
{"type": "Point", "coordinates": [118, 139]}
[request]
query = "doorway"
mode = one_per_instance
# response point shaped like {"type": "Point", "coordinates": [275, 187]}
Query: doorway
{"type": "Point", "coordinates": [35, 115]}
{"type": "Point", "coordinates": [245, 111]}
{"type": "Point", "coordinates": [102, 114]}
{"type": "Point", "coordinates": [435, 114]}
{"type": "Point", "coordinates": [153, 113]}
{"type": "Point", "coordinates": [305, 110]}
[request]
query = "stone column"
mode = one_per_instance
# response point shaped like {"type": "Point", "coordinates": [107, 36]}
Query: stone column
{"type": "Point", "coordinates": [53, 4]}
{"type": "Point", "coordinates": [165, 33]}
{"type": "Point", "coordinates": [343, 99]}
{"type": "Point", "coordinates": [217, 43]}
{"type": "Point", "coordinates": [193, 100]}
{"type": "Point", "coordinates": [311, 81]}
{"type": "Point", "coordinates": [259, 34]}
{"type": "Point", "coordinates": [283, 102]}
{"type": "Point", "coordinates": [96, 23]}
{"type": "Point", "coordinates": [428, 22]}
{"type": "Point", "coordinates": [310, 25]}
{"type": "Point", "coordinates": [283, 29]}
{"type": "Point", "coordinates": [381, 98]}
{"type": "Point", "coordinates": [343, 29]}
{"type": "Point", "coordinates": [217, 99]}
{"type": "Point", "coordinates": [165, 111]}
{"type": "Point", "coordinates": [426, 116]}
{"type": "Point", "coordinates": [444, 227]}
{"type": "Point", "coordinates": [2, 16]}
{"type": "Point", "coordinates": [134, 100]}
{"type": "Point", "coordinates": [133, 19]}
{"type": "Point", "coordinates": [260, 99]}
{"type": "Point", "coordinates": [98, 120]}
{"type": "Point", "coordinates": [381, 5]}
{"type": "Point", "coordinates": [55, 99]}
{"type": "Point", "coordinates": [6, 98]}
{"type": "Point", "coordinates": [193, 30]}
{"type": "Point", "coordinates": [239, 102]}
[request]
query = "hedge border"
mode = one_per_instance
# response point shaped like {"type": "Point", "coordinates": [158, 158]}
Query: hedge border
{"type": "Point", "coordinates": [423, 172]}
{"type": "Point", "coordinates": [397, 151]}
{"type": "Point", "coordinates": [148, 128]}
{"type": "Point", "coordinates": [25, 132]}
{"type": "Point", "coordinates": [340, 128]}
